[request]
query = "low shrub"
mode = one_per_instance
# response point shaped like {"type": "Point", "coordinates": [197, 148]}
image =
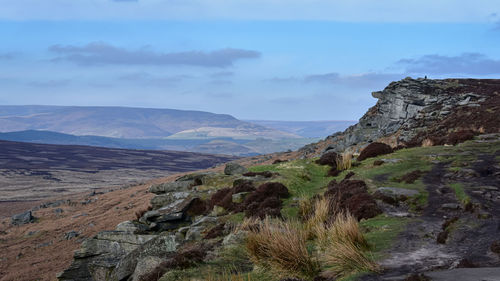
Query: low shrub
{"type": "Point", "coordinates": [329, 158]}
{"type": "Point", "coordinates": [374, 149]}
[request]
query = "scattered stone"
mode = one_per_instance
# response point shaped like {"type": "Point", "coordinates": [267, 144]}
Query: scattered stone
{"type": "Point", "coordinates": [378, 162]}
{"type": "Point", "coordinates": [450, 206]}
{"type": "Point", "coordinates": [32, 233]}
{"type": "Point", "coordinates": [80, 215]}
{"type": "Point", "coordinates": [71, 234]}
{"type": "Point", "coordinates": [22, 218]}
{"type": "Point", "coordinates": [42, 245]}
{"type": "Point", "coordinates": [58, 211]}
{"type": "Point", "coordinates": [393, 195]}
{"type": "Point", "coordinates": [234, 169]}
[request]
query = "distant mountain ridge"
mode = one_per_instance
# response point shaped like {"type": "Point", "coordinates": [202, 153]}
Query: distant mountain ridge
{"type": "Point", "coordinates": [307, 129]}
{"type": "Point", "coordinates": [120, 122]}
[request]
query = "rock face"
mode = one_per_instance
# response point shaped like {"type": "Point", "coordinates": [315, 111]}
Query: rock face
{"type": "Point", "coordinates": [411, 110]}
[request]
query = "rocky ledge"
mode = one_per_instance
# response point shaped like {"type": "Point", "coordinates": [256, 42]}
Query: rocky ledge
{"type": "Point", "coordinates": [412, 111]}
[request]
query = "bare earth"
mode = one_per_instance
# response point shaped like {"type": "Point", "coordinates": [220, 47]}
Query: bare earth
{"type": "Point", "coordinates": [38, 251]}
{"type": "Point", "coordinates": [35, 172]}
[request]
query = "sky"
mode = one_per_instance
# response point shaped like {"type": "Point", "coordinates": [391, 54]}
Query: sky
{"type": "Point", "coordinates": [293, 60]}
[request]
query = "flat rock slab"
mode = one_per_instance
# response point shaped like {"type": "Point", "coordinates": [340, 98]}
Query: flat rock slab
{"type": "Point", "coordinates": [466, 274]}
{"type": "Point", "coordinates": [396, 191]}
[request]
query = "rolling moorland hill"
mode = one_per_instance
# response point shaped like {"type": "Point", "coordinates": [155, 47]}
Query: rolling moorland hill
{"type": "Point", "coordinates": [144, 128]}
{"type": "Point", "coordinates": [119, 122]}
{"type": "Point", "coordinates": [411, 192]}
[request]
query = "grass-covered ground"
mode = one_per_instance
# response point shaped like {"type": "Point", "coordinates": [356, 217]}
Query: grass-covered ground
{"type": "Point", "coordinates": [305, 179]}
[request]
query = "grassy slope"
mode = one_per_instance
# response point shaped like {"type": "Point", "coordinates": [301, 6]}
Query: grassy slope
{"type": "Point", "coordinates": [304, 179]}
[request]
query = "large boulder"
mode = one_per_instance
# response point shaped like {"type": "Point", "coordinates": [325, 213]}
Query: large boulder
{"type": "Point", "coordinates": [164, 199]}
{"type": "Point", "coordinates": [234, 169]}
{"type": "Point", "coordinates": [171, 186]}
{"type": "Point", "coordinates": [22, 218]}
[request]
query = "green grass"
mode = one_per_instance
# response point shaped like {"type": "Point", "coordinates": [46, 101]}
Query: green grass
{"type": "Point", "coordinates": [303, 178]}
{"type": "Point", "coordinates": [460, 193]}
{"type": "Point", "coordinates": [381, 231]}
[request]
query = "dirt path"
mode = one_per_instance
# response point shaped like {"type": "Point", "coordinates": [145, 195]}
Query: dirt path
{"type": "Point", "coordinates": [468, 240]}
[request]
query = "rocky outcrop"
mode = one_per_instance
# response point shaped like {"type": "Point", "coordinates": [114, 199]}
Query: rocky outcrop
{"type": "Point", "coordinates": [412, 110]}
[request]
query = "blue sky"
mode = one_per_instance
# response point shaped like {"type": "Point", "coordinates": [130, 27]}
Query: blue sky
{"type": "Point", "coordinates": [277, 60]}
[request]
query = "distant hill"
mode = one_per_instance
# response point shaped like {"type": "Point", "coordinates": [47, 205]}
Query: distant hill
{"type": "Point", "coordinates": [307, 129]}
{"type": "Point", "coordinates": [215, 145]}
{"type": "Point", "coordinates": [125, 122]}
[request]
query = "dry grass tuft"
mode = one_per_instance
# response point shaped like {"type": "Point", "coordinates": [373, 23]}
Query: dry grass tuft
{"type": "Point", "coordinates": [344, 257]}
{"type": "Point", "coordinates": [344, 161]}
{"type": "Point", "coordinates": [320, 211]}
{"type": "Point", "coordinates": [210, 276]}
{"type": "Point", "coordinates": [281, 246]}
{"type": "Point", "coordinates": [343, 229]}
{"type": "Point", "coordinates": [427, 143]}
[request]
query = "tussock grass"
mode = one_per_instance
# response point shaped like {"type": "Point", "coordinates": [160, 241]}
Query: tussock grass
{"type": "Point", "coordinates": [282, 247]}
{"type": "Point", "coordinates": [340, 245]}
{"type": "Point", "coordinates": [344, 161]}
{"type": "Point", "coordinates": [343, 229]}
{"type": "Point", "coordinates": [345, 257]}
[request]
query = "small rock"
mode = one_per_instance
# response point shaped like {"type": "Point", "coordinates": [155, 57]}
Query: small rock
{"type": "Point", "coordinates": [71, 234]}
{"type": "Point", "coordinates": [80, 215]}
{"type": "Point", "coordinates": [450, 206]}
{"type": "Point", "coordinates": [234, 169]}
{"type": "Point", "coordinates": [194, 233]}
{"type": "Point", "coordinates": [58, 211]}
{"type": "Point", "coordinates": [131, 227]}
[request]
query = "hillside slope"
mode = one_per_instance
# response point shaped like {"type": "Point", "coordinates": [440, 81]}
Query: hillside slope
{"type": "Point", "coordinates": [31, 171]}
{"type": "Point", "coordinates": [417, 212]}
{"type": "Point", "coordinates": [118, 122]}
